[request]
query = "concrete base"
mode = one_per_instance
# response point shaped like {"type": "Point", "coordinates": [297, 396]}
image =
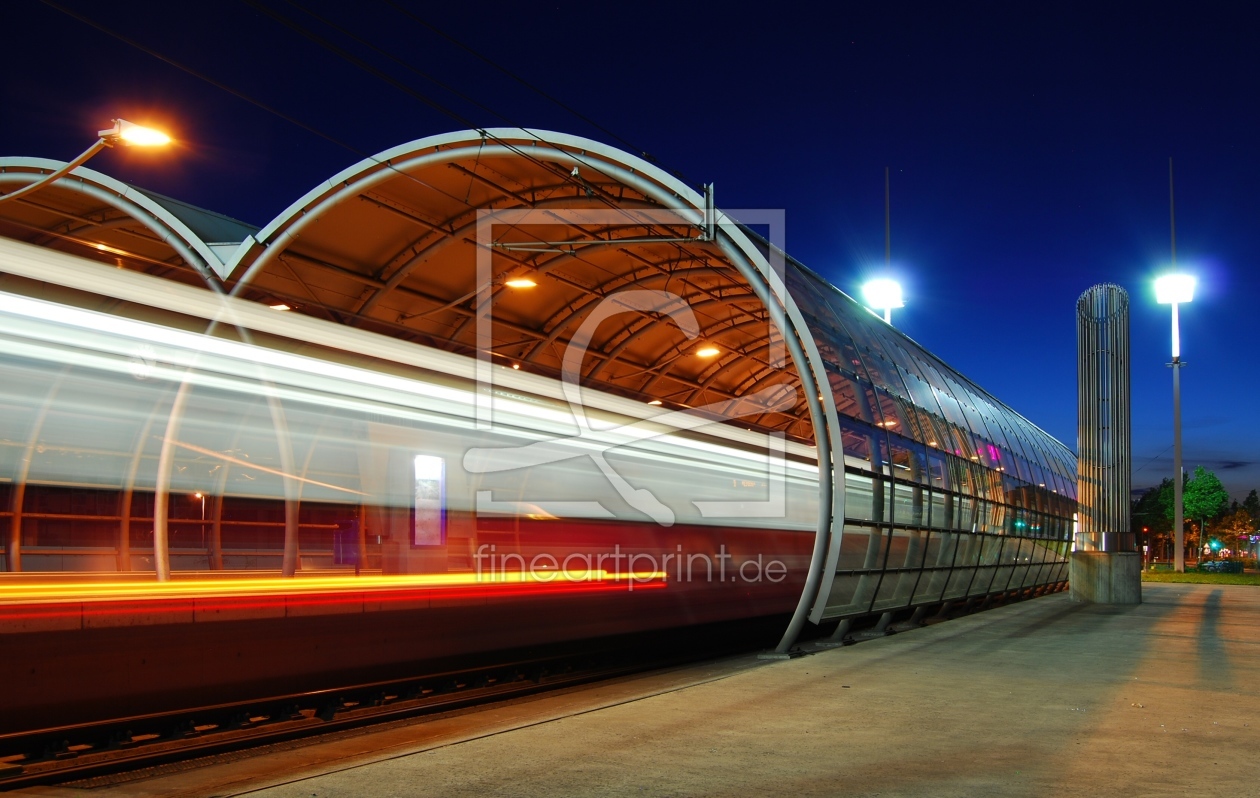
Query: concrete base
{"type": "Point", "coordinates": [1106, 577]}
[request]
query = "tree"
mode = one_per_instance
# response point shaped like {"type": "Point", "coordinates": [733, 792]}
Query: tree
{"type": "Point", "coordinates": [1204, 496]}
{"type": "Point", "coordinates": [1234, 526]}
{"type": "Point", "coordinates": [1252, 505]}
{"type": "Point", "coordinates": [1153, 517]}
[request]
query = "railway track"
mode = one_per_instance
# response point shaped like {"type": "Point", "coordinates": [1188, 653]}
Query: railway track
{"type": "Point", "coordinates": [89, 750]}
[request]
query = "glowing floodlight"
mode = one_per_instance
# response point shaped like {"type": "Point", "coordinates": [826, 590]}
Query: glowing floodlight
{"type": "Point", "coordinates": [1174, 289]}
{"type": "Point", "coordinates": [883, 294]}
{"type": "Point", "coordinates": [134, 135]}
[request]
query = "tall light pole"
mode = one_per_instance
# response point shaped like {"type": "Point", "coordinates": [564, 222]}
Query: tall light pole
{"type": "Point", "coordinates": [884, 294]}
{"type": "Point", "coordinates": [123, 132]}
{"type": "Point", "coordinates": [1175, 289]}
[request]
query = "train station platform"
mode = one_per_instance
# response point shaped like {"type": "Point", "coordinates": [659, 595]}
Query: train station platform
{"type": "Point", "coordinates": [1043, 697]}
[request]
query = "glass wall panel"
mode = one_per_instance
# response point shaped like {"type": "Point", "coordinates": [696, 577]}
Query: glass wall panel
{"type": "Point", "coordinates": [938, 511]}
{"type": "Point", "coordinates": [859, 497]}
{"type": "Point", "coordinates": [938, 473]}
{"type": "Point", "coordinates": [960, 580]}
{"type": "Point", "coordinates": [909, 459]}
{"type": "Point", "coordinates": [852, 594]}
{"type": "Point", "coordinates": [896, 590]}
{"type": "Point", "coordinates": [861, 548]}
{"type": "Point", "coordinates": [1019, 577]}
{"type": "Point", "coordinates": [942, 550]}
{"type": "Point", "coordinates": [907, 504]}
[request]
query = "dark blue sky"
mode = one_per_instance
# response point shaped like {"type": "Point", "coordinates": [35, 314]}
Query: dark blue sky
{"type": "Point", "coordinates": [1029, 150]}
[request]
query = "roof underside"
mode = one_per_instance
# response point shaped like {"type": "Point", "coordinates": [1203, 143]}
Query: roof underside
{"type": "Point", "coordinates": [93, 216]}
{"type": "Point", "coordinates": [401, 257]}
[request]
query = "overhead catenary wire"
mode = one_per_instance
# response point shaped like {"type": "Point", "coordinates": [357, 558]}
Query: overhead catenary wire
{"type": "Point", "coordinates": [527, 153]}
{"type": "Point", "coordinates": [316, 131]}
{"type": "Point", "coordinates": [540, 92]}
{"type": "Point", "coordinates": [567, 177]}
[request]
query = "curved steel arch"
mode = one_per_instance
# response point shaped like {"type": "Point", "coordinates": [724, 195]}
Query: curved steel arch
{"type": "Point", "coordinates": [656, 186]}
{"type": "Point", "coordinates": [127, 199]}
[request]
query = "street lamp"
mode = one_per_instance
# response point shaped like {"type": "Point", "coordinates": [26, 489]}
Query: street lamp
{"type": "Point", "coordinates": [883, 294]}
{"type": "Point", "coordinates": [123, 132]}
{"type": "Point", "coordinates": [1175, 290]}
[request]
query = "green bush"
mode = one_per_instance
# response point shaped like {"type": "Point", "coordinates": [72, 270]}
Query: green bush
{"type": "Point", "coordinates": [1220, 567]}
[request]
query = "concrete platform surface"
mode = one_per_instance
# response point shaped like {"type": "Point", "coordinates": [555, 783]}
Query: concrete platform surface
{"type": "Point", "coordinates": [1041, 698]}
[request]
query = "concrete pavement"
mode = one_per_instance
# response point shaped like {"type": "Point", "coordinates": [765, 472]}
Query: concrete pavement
{"type": "Point", "coordinates": [1045, 697]}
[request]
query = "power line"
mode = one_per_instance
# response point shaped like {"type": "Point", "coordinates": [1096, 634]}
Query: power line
{"type": "Point", "coordinates": [592, 191]}
{"type": "Point", "coordinates": [199, 75]}
{"type": "Point", "coordinates": [525, 153]}
{"type": "Point", "coordinates": [353, 59]}
{"type": "Point", "coordinates": [542, 93]}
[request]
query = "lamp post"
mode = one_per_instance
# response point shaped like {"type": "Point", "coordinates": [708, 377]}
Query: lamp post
{"type": "Point", "coordinates": [1175, 290]}
{"type": "Point", "coordinates": [883, 294]}
{"type": "Point", "coordinates": [123, 132]}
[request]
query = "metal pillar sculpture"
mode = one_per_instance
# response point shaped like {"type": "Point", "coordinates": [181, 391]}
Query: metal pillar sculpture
{"type": "Point", "coordinates": [1105, 565]}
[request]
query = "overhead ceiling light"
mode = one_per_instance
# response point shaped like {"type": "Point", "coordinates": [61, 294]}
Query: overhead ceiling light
{"type": "Point", "coordinates": [516, 366]}
{"type": "Point", "coordinates": [280, 306]}
{"type": "Point", "coordinates": [655, 402]}
{"type": "Point", "coordinates": [708, 351]}
{"type": "Point", "coordinates": [522, 281]}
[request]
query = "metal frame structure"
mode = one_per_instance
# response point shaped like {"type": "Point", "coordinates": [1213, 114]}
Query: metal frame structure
{"type": "Point", "coordinates": [931, 489]}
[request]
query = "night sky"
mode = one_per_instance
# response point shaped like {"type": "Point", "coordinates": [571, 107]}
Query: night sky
{"type": "Point", "coordinates": [1029, 149]}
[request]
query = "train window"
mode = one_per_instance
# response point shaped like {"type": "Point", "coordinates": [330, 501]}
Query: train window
{"type": "Point", "coordinates": [429, 518]}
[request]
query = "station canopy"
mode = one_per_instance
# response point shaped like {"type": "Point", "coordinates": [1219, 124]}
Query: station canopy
{"type": "Point", "coordinates": [512, 244]}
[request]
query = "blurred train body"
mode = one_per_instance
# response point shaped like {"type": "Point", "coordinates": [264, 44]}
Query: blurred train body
{"type": "Point", "coordinates": [382, 486]}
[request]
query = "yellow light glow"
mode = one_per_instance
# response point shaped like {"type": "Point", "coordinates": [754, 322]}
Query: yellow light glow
{"type": "Point", "coordinates": [655, 402]}
{"type": "Point", "coordinates": [520, 282]}
{"type": "Point", "coordinates": [708, 351]}
{"type": "Point", "coordinates": [145, 137]}
{"type": "Point", "coordinates": [280, 306]}
{"type": "Point", "coordinates": [105, 590]}
{"type": "Point", "coordinates": [135, 135]}
{"type": "Point", "coordinates": [516, 366]}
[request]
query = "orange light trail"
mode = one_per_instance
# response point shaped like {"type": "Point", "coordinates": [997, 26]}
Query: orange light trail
{"type": "Point", "coordinates": [322, 589]}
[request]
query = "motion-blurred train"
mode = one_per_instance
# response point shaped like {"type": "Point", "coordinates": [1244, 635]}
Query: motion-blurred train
{"type": "Point", "coordinates": [215, 487]}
